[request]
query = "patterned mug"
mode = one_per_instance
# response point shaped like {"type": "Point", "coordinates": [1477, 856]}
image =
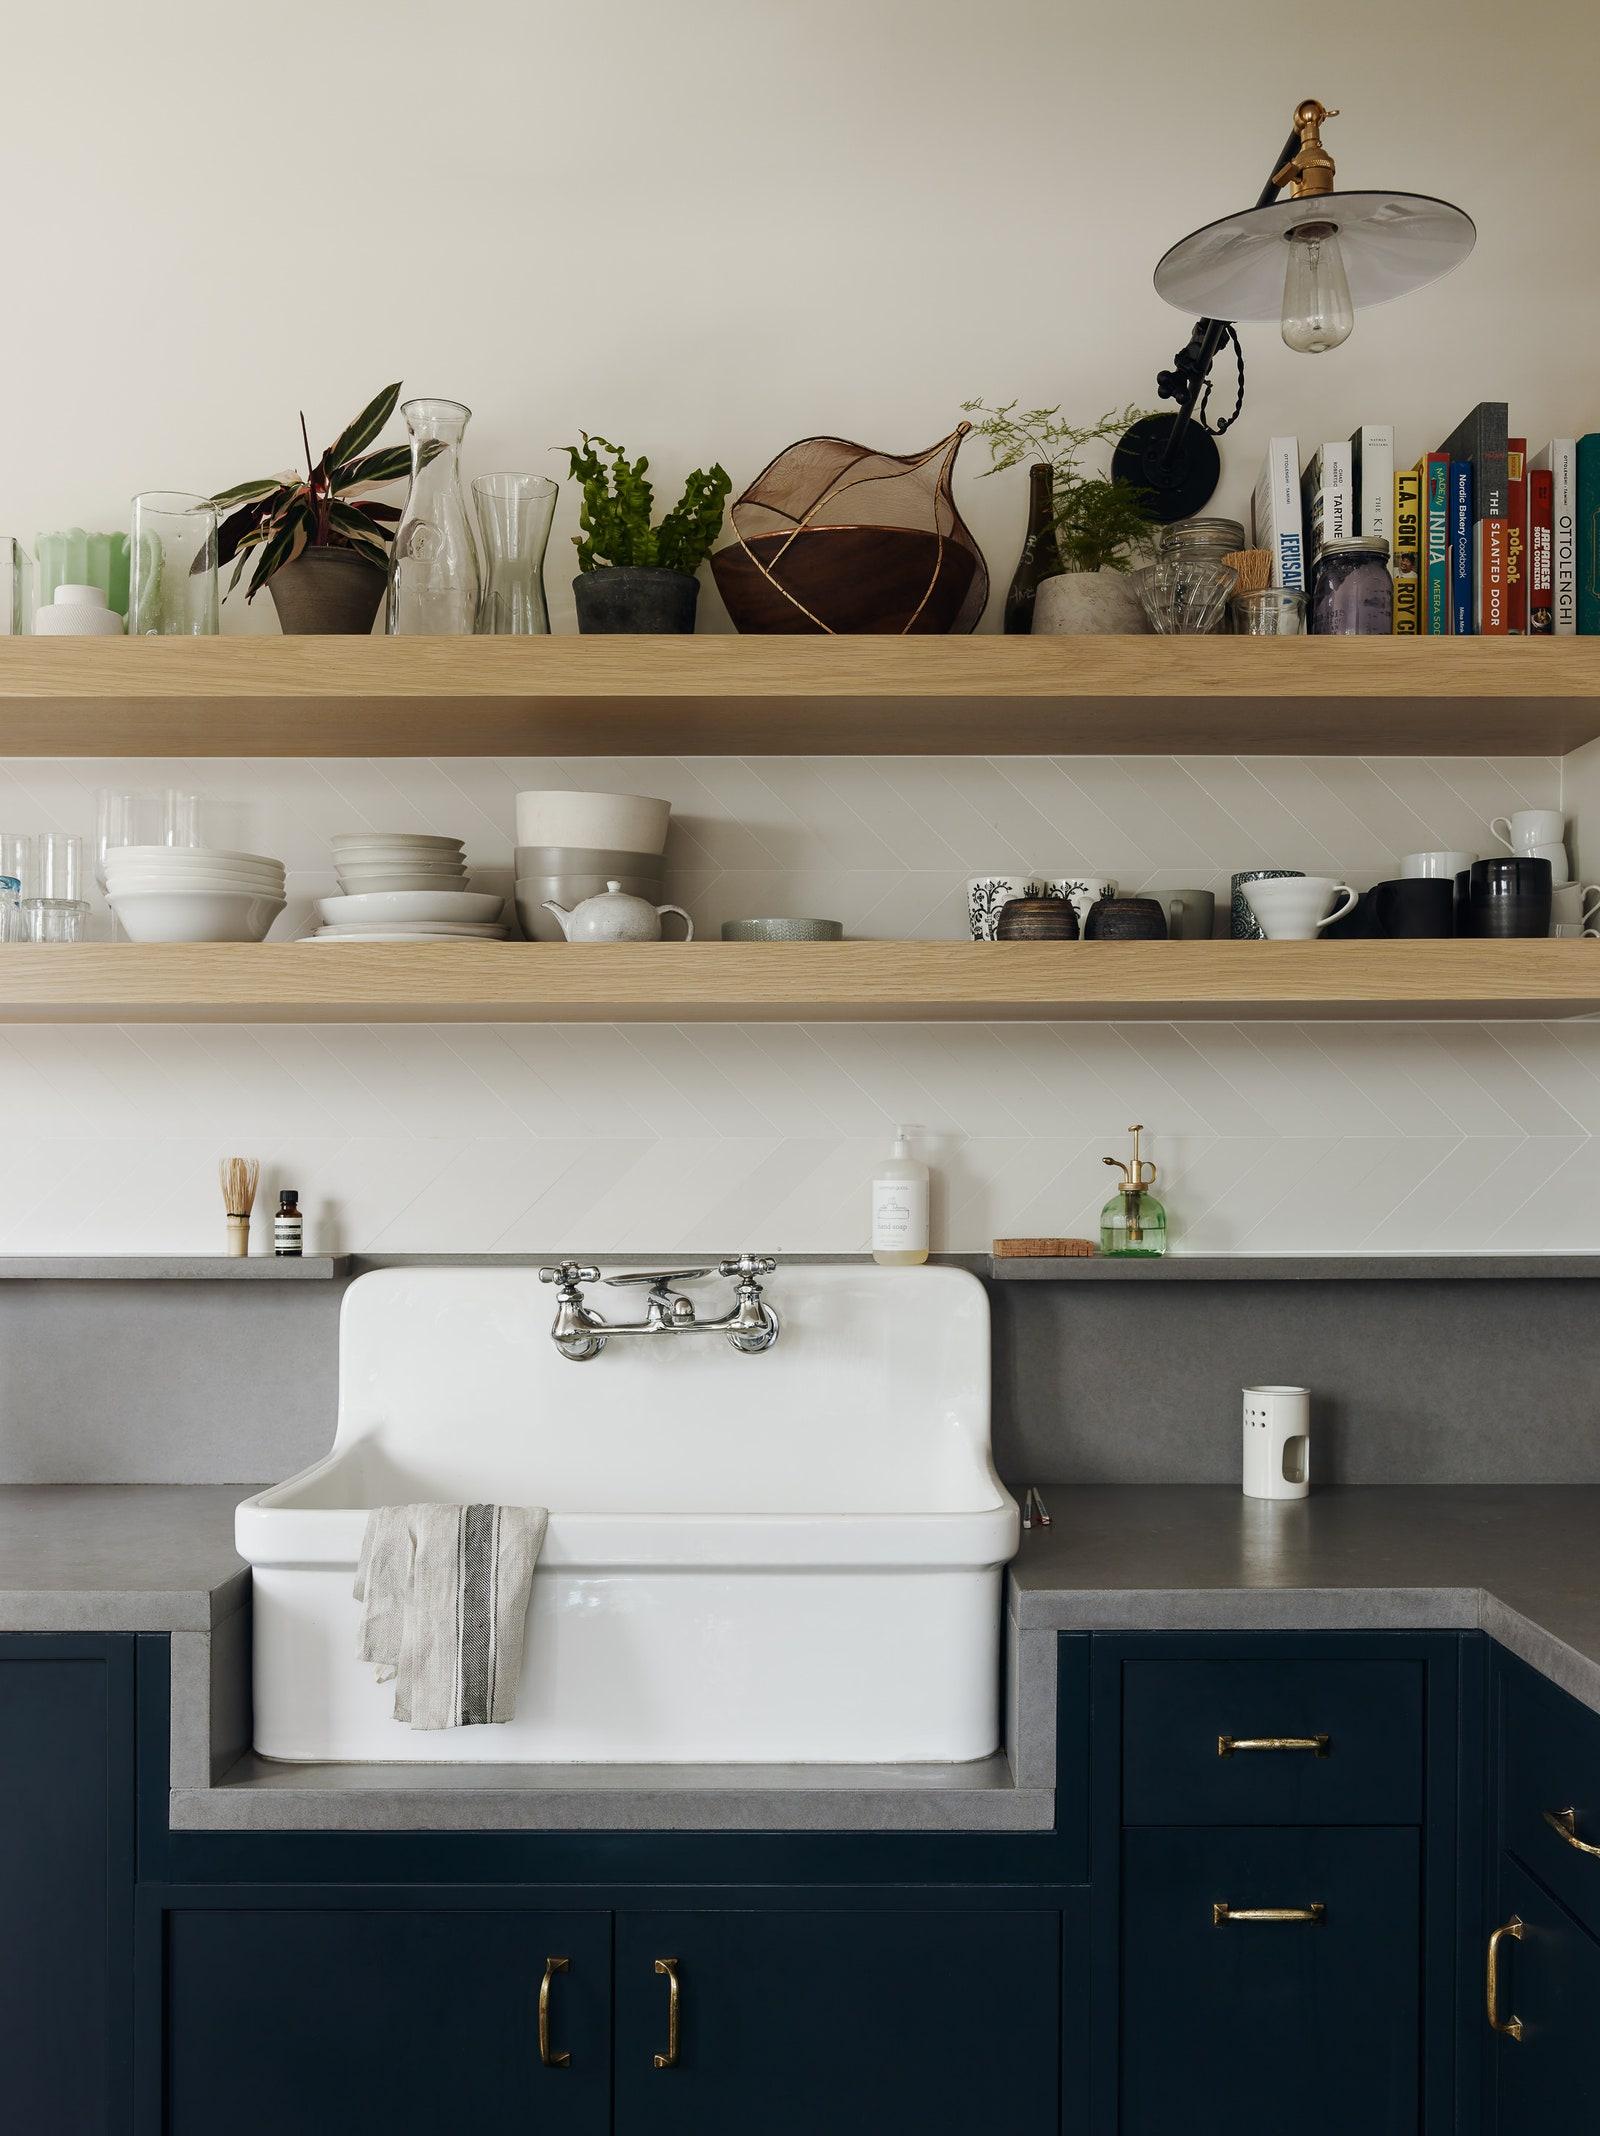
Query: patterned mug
{"type": "Point", "coordinates": [988, 896]}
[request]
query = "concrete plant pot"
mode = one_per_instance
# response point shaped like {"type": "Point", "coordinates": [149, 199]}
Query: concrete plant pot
{"type": "Point", "coordinates": [327, 593]}
{"type": "Point", "coordinates": [1084, 603]}
{"type": "Point", "coordinates": [635, 597]}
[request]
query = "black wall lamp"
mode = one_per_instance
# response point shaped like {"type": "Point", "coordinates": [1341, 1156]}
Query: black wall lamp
{"type": "Point", "coordinates": [1309, 261]}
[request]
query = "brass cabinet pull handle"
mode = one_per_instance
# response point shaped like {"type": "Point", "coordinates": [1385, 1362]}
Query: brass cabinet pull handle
{"type": "Point", "coordinates": [1511, 2027]}
{"type": "Point", "coordinates": [1222, 1912]}
{"type": "Point", "coordinates": [559, 2060]}
{"type": "Point", "coordinates": [1566, 1823]}
{"type": "Point", "coordinates": [1317, 1744]}
{"type": "Point", "coordinates": [669, 2060]}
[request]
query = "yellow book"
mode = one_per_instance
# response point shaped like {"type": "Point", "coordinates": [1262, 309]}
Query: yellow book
{"type": "Point", "coordinates": [1407, 558]}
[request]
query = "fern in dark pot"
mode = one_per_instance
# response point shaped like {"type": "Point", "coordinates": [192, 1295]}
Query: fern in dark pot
{"type": "Point", "coordinates": [319, 542]}
{"type": "Point", "coordinates": [635, 574]}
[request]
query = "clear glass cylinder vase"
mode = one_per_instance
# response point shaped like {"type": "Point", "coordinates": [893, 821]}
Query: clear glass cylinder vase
{"type": "Point", "coordinates": [514, 515]}
{"type": "Point", "coordinates": [434, 575]}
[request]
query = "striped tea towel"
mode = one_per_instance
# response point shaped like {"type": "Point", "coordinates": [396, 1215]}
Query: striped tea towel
{"type": "Point", "coordinates": [444, 1593]}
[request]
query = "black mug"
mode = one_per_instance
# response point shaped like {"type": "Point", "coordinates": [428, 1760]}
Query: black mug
{"type": "Point", "coordinates": [1504, 900]}
{"type": "Point", "coordinates": [1412, 908]}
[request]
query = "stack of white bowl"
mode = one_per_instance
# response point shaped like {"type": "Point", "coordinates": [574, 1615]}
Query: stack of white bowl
{"type": "Point", "coordinates": [405, 886]}
{"type": "Point", "coordinates": [570, 845]}
{"type": "Point", "coordinates": [191, 894]}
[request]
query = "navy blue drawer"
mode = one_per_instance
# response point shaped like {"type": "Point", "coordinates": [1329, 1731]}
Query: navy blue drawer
{"type": "Point", "coordinates": [1552, 1778]}
{"type": "Point", "coordinates": [1281, 1741]}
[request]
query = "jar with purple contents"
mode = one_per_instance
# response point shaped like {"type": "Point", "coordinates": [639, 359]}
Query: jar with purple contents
{"type": "Point", "coordinates": [1353, 596]}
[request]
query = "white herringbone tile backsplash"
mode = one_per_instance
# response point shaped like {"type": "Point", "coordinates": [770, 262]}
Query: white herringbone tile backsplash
{"type": "Point", "coordinates": [528, 1138]}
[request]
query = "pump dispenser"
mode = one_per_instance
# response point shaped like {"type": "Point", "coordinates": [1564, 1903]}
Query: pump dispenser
{"type": "Point", "coordinates": [1133, 1224]}
{"type": "Point", "coordinates": [900, 1206]}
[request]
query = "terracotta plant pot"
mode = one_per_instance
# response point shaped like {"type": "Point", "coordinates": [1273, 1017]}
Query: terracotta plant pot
{"type": "Point", "coordinates": [635, 597]}
{"type": "Point", "coordinates": [327, 593]}
{"type": "Point", "coordinates": [1083, 603]}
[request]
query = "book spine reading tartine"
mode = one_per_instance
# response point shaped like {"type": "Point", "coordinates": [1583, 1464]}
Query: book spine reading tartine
{"type": "Point", "coordinates": [1372, 479]}
{"type": "Point", "coordinates": [1541, 553]}
{"type": "Point", "coordinates": [1589, 535]}
{"type": "Point", "coordinates": [1462, 623]}
{"type": "Point", "coordinates": [1559, 459]}
{"type": "Point", "coordinates": [1407, 552]}
{"type": "Point", "coordinates": [1326, 501]}
{"type": "Point", "coordinates": [1435, 472]}
{"type": "Point", "coordinates": [1517, 537]}
{"type": "Point", "coordinates": [1275, 513]}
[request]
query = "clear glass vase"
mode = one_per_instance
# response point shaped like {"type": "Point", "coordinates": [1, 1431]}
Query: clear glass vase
{"type": "Point", "coordinates": [433, 573]}
{"type": "Point", "coordinates": [514, 515]}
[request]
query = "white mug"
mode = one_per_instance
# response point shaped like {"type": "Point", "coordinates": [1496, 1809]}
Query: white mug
{"type": "Point", "coordinates": [1085, 892]}
{"type": "Point", "coordinates": [987, 898]}
{"type": "Point", "coordinates": [1529, 827]}
{"type": "Point", "coordinates": [1294, 908]}
{"type": "Point", "coordinates": [1574, 931]}
{"type": "Point", "coordinates": [1435, 863]}
{"type": "Point", "coordinates": [1575, 904]}
{"type": "Point", "coordinates": [1560, 866]}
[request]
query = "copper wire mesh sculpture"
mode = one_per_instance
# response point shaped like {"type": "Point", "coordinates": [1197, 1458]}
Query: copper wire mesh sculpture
{"type": "Point", "coordinates": [838, 538]}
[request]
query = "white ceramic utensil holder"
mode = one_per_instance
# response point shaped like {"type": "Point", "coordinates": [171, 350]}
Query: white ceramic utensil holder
{"type": "Point", "coordinates": [1277, 1442]}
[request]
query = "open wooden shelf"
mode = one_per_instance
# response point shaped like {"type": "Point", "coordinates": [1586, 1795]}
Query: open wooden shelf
{"type": "Point", "coordinates": [731, 696]}
{"type": "Point", "coordinates": [726, 982]}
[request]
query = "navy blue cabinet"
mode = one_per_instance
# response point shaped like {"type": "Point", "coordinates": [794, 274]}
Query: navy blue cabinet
{"type": "Point", "coordinates": [368, 2016]}
{"type": "Point", "coordinates": [1546, 2071]}
{"type": "Point", "coordinates": [66, 1874]}
{"type": "Point", "coordinates": [933, 2018]}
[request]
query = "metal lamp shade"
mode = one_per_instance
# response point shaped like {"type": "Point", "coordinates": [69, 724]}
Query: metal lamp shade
{"type": "Point", "coordinates": [1392, 243]}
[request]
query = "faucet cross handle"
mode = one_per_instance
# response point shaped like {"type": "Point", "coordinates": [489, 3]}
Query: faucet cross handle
{"type": "Point", "coordinates": [745, 1265]}
{"type": "Point", "coordinates": [569, 1273]}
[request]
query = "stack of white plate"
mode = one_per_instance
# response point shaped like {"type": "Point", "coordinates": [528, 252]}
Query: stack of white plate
{"type": "Point", "coordinates": [191, 894]}
{"type": "Point", "coordinates": [397, 860]}
{"type": "Point", "coordinates": [411, 916]}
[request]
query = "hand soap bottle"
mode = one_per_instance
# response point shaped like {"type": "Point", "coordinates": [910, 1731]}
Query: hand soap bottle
{"type": "Point", "coordinates": [900, 1207]}
{"type": "Point", "coordinates": [1133, 1224]}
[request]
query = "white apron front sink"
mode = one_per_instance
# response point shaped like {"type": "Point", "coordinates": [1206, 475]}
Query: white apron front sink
{"type": "Point", "coordinates": [790, 1557]}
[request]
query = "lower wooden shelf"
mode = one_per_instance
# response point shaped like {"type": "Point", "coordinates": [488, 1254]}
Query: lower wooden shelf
{"type": "Point", "coordinates": [727, 982]}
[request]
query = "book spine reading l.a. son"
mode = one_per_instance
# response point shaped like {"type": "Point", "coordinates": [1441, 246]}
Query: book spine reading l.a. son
{"type": "Point", "coordinates": [1541, 553]}
{"type": "Point", "coordinates": [1407, 552]}
{"type": "Point", "coordinates": [1275, 513]}
{"type": "Point", "coordinates": [1517, 537]}
{"type": "Point", "coordinates": [1559, 459]}
{"type": "Point", "coordinates": [1462, 623]}
{"type": "Point", "coordinates": [1481, 441]}
{"type": "Point", "coordinates": [1435, 471]}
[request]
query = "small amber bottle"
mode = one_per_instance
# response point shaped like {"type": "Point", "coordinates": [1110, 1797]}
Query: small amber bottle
{"type": "Point", "coordinates": [1133, 1224]}
{"type": "Point", "coordinates": [288, 1226]}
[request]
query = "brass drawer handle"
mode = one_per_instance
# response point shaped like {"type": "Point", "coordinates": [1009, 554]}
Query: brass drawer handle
{"type": "Point", "coordinates": [1317, 1744]}
{"type": "Point", "coordinates": [1222, 1912]}
{"type": "Point", "coordinates": [669, 2060]}
{"type": "Point", "coordinates": [1511, 2027]}
{"type": "Point", "coordinates": [558, 2060]}
{"type": "Point", "coordinates": [1566, 1823]}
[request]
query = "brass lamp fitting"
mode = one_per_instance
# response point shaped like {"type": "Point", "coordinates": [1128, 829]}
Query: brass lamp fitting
{"type": "Point", "coordinates": [1309, 171]}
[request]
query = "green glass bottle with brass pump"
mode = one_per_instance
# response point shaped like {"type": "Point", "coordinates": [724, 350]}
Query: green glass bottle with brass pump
{"type": "Point", "coordinates": [1133, 1224]}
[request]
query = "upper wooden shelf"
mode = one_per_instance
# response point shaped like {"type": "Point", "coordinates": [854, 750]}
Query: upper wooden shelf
{"type": "Point", "coordinates": [727, 982]}
{"type": "Point", "coordinates": [731, 696]}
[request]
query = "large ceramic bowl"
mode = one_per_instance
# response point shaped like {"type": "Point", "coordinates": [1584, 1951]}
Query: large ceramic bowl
{"type": "Point", "coordinates": [384, 907]}
{"type": "Point", "coordinates": [586, 860]}
{"type": "Point", "coordinates": [195, 915]}
{"type": "Point", "coordinates": [630, 823]}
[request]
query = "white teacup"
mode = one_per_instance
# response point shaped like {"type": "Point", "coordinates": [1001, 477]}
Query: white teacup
{"type": "Point", "coordinates": [1294, 908]}
{"type": "Point", "coordinates": [1085, 892]}
{"type": "Point", "coordinates": [1574, 930]}
{"type": "Point", "coordinates": [1575, 905]}
{"type": "Point", "coordinates": [1560, 866]}
{"type": "Point", "coordinates": [1436, 863]}
{"type": "Point", "coordinates": [1530, 827]}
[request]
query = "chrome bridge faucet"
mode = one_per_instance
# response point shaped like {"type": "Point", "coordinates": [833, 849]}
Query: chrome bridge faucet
{"type": "Point", "coordinates": [750, 1325]}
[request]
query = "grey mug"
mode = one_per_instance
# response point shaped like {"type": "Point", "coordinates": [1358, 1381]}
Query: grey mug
{"type": "Point", "coordinates": [1191, 915]}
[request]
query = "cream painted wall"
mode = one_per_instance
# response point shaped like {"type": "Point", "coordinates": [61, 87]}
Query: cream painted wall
{"type": "Point", "coordinates": [709, 228]}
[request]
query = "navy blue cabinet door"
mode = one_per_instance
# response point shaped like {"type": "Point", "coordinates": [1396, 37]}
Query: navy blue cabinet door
{"type": "Point", "coordinates": [1303, 2025]}
{"type": "Point", "coordinates": [1547, 2081]}
{"type": "Point", "coordinates": [65, 1788]}
{"type": "Point", "coordinates": [359, 2019]}
{"type": "Point", "coordinates": [856, 2023]}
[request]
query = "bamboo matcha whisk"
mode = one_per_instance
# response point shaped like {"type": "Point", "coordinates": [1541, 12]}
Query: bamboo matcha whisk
{"type": "Point", "coordinates": [1254, 567]}
{"type": "Point", "coordinates": [239, 1177]}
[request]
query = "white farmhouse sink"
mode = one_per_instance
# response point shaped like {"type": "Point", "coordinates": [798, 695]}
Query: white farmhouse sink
{"type": "Point", "coordinates": [787, 1557]}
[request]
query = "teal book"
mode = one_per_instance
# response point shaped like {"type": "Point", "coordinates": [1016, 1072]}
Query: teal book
{"type": "Point", "coordinates": [1436, 545]}
{"type": "Point", "coordinates": [1589, 535]}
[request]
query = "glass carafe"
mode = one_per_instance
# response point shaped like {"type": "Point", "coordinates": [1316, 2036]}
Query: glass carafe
{"type": "Point", "coordinates": [514, 515]}
{"type": "Point", "coordinates": [433, 572]}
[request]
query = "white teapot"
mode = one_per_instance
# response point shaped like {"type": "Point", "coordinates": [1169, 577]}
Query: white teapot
{"type": "Point", "coordinates": [614, 916]}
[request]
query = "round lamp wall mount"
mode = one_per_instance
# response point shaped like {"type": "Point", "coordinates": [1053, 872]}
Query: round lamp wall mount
{"type": "Point", "coordinates": [1309, 260]}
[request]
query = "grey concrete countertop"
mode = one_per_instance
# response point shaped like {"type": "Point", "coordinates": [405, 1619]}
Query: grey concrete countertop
{"type": "Point", "coordinates": [128, 1557]}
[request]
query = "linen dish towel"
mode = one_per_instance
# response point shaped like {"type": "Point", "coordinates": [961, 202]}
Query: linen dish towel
{"type": "Point", "coordinates": [444, 1594]}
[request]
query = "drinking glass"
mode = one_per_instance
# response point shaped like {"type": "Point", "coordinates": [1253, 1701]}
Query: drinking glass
{"type": "Point", "coordinates": [433, 568]}
{"type": "Point", "coordinates": [57, 871]}
{"type": "Point", "coordinates": [16, 849]}
{"type": "Point", "coordinates": [123, 819]}
{"type": "Point", "coordinates": [54, 919]}
{"type": "Point", "coordinates": [1271, 612]}
{"type": "Point", "coordinates": [514, 515]}
{"type": "Point", "coordinates": [16, 588]}
{"type": "Point", "coordinates": [172, 568]}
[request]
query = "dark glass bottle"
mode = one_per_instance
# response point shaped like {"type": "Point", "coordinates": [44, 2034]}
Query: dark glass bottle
{"type": "Point", "coordinates": [1040, 558]}
{"type": "Point", "coordinates": [288, 1226]}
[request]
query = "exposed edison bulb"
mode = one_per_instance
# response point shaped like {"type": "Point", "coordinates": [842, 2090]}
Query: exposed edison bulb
{"type": "Point", "coordinates": [1317, 311]}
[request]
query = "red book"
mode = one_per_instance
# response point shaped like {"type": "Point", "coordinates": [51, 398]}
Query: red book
{"type": "Point", "coordinates": [1517, 536]}
{"type": "Point", "coordinates": [1541, 553]}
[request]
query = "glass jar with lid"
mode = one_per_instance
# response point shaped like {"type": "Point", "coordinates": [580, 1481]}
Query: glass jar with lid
{"type": "Point", "coordinates": [1353, 594]}
{"type": "Point", "coordinates": [1194, 547]}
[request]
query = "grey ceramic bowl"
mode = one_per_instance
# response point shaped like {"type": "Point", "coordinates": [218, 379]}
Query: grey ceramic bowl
{"type": "Point", "coordinates": [585, 860]}
{"type": "Point", "coordinates": [783, 930]}
{"type": "Point", "coordinates": [569, 890]}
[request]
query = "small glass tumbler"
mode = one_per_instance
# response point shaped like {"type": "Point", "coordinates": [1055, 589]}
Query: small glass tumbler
{"type": "Point", "coordinates": [1273, 612]}
{"type": "Point", "coordinates": [172, 568]}
{"type": "Point", "coordinates": [514, 515]}
{"type": "Point", "coordinates": [54, 919]}
{"type": "Point", "coordinates": [56, 874]}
